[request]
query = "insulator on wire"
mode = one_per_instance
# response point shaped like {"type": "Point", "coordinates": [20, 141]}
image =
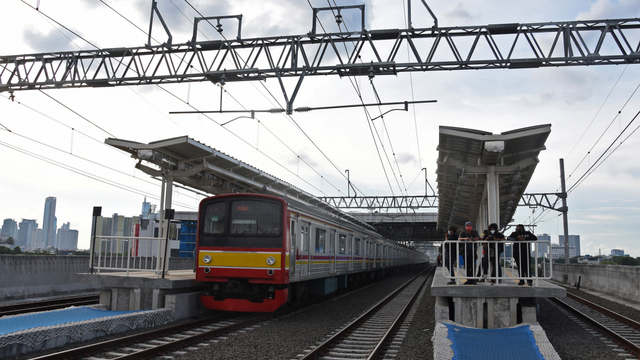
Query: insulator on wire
{"type": "Point", "coordinates": [303, 109]}
{"type": "Point", "coordinates": [276, 111]}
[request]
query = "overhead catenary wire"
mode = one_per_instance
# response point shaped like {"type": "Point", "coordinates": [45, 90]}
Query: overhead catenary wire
{"type": "Point", "coordinates": [294, 122]}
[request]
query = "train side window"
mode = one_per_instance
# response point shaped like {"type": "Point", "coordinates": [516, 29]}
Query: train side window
{"type": "Point", "coordinates": [342, 243]}
{"type": "Point", "coordinates": [357, 247]}
{"type": "Point", "coordinates": [320, 240]}
{"type": "Point", "coordinates": [304, 232]}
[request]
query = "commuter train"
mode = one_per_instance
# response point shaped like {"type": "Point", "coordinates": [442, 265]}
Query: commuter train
{"type": "Point", "coordinates": [257, 252]}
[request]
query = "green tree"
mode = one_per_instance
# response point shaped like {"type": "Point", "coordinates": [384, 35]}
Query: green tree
{"type": "Point", "coordinates": [5, 250]}
{"type": "Point", "coordinates": [10, 241]}
{"type": "Point", "coordinates": [17, 250]}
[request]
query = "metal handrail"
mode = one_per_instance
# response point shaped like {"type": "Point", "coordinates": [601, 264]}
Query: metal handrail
{"type": "Point", "coordinates": [540, 259]}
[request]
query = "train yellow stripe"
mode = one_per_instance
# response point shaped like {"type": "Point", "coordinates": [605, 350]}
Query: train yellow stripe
{"type": "Point", "coordinates": [240, 259]}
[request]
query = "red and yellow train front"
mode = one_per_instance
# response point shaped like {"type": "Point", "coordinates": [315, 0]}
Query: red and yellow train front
{"type": "Point", "coordinates": [243, 252]}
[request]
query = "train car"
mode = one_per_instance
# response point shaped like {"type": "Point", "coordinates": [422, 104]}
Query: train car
{"type": "Point", "coordinates": [257, 252]}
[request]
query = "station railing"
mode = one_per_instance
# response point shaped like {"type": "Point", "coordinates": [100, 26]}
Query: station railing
{"type": "Point", "coordinates": [129, 254]}
{"type": "Point", "coordinates": [492, 265]}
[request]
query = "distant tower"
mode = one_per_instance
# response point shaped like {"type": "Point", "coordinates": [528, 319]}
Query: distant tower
{"type": "Point", "coordinates": [574, 240]}
{"type": "Point", "coordinates": [146, 209]}
{"type": "Point", "coordinates": [49, 223]}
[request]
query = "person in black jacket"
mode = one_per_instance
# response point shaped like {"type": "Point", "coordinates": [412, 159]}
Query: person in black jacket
{"type": "Point", "coordinates": [470, 236]}
{"type": "Point", "coordinates": [522, 252]}
{"type": "Point", "coordinates": [492, 252]}
{"type": "Point", "coordinates": [451, 252]}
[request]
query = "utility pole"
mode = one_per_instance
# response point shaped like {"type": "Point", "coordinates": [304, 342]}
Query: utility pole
{"type": "Point", "coordinates": [565, 221]}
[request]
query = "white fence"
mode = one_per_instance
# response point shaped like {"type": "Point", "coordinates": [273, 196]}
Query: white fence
{"type": "Point", "coordinates": [122, 253]}
{"type": "Point", "coordinates": [480, 261]}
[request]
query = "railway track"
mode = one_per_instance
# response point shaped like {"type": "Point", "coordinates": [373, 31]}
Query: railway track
{"type": "Point", "coordinates": [621, 329]}
{"type": "Point", "coordinates": [49, 304]}
{"type": "Point", "coordinates": [368, 336]}
{"type": "Point", "coordinates": [158, 342]}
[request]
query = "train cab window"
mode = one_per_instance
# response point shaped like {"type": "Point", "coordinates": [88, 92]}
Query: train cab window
{"type": "Point", "coordinates": [215, 219]}
{"type": "Point", "coordinates": [342, 243]}
{"type": "Point", "coordinates": [320, 240]}
{"type": "Point", "coordinates": [357, 247]}
{"type": "Point", "coordinates": [250, 217]}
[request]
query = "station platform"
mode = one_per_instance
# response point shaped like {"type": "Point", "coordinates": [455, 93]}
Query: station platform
{"type": "Point", "coordinates": [26, 333]}
{"type": "Point", "coordinates": [526, 342]}
{"type": "Point", "coordinates": [487, 305]}
{"type": "Point", "coordinates": [145, 290]}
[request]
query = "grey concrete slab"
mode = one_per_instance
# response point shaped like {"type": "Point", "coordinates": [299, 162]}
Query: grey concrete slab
{"type": "Point", "coordinates": [507, 289]}
{"type": "Point", "coordinates": [177, 279]}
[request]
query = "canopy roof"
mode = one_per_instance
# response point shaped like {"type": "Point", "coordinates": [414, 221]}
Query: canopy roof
{"type": "Point", "coordinates": [466, 156]}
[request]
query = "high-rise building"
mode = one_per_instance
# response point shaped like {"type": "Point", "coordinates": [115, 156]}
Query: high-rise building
{"type": "Point", "coordinates": [26, 234]}
{"type": "Point", "coordinates": [617, 252]}
{"type": "Point", "coordinates": [49, 223]}
{"type": "Point", "coordinates": [574, 240]}
{"type": "Point", "coordinates": [544, 247]}
{"type": "Point", "coordinates": [67, 238]}
{"type": "Point", "coordinates": [557, 251]}
{"type": "Point", "coordinates": [9, 230]}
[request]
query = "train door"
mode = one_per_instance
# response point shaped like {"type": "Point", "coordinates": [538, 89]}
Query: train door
{"type": "Point", "coordinates": [350, 250]}
{"type": "Point", "coordinates": [305, 258]}
{"type": "Point", "coordinates": [332, 250]}
{"type": "Point", "coordinates": [292, 251]}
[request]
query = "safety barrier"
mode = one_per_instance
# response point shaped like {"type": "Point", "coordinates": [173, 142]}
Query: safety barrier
{"type": "Point", "coordinates": [496, 261]}
{"type": "Point", "coordinates": [123, 254]}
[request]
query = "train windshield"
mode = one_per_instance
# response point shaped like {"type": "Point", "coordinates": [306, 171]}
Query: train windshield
{"type": "Point", "coordinates": [242, 223]}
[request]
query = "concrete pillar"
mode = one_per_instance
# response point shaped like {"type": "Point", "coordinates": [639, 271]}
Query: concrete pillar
{"type": "Point", "coordinates": [493, 197]}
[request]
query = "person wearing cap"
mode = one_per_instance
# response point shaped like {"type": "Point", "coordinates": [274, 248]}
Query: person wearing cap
{"type": "Point", "coordinates": [522, 252]}
{"type": "Point", "coordinates": [469, 235]}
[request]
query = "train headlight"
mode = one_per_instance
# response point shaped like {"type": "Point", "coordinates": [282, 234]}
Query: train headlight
{"type": "Point", "coordinates": [271, 260]}
{"type": "Point", "coordinates": [207, 259]}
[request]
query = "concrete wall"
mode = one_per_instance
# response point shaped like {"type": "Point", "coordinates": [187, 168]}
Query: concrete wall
{"type": "Point", "coordinates": [28, 276]}
{"type": "Point", "coordinates": [616, 280]}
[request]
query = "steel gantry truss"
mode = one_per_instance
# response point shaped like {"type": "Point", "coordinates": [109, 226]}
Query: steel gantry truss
{"type": "Point", "coordinates": [382, 202]}
{"type": "Point", "coordinates": [356, 53]}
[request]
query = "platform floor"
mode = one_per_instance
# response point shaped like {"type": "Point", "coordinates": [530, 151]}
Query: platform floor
{"type": "Point", "coordinates": [23, 334]}
{"type": "Point", "coordinates": [525, 342]}
{"type": "Point", "coordinates": [507, 289]}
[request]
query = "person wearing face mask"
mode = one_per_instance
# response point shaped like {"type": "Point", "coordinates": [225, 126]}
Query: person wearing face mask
{"type": "Point", "coordinates": [451, 252]}
{"type": "Point", "coordinates": [469, 235]}
{"type": "Point", "coordinates": [522, 252]}
{"type": "Point", "coordinates": [492, 252]}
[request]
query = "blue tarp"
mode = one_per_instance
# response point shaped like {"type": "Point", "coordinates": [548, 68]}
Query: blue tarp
{"type": "Point", "coordinates": [513, 343]}
{"type": "Point", "coordinates": [29, 321]}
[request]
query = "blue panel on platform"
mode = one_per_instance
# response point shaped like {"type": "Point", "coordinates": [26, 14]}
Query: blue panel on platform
{"type": "Point", "coordinates": [513, 343]}
{"type": "Point", "coordinates": [29, 321]}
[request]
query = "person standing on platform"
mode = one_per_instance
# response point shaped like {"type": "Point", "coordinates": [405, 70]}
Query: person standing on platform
{"type": "Point", "coordinates": [469, 235]}
{"type": "Point", "coordinates": [451, 252]}
{"type": "Point", "coordinates": [522, 252]}
{"type": "Point", "coordinates": [492, 252]}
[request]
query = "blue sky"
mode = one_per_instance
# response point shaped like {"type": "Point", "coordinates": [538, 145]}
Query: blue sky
{"type": "Point", "coordinates": [587, 107]}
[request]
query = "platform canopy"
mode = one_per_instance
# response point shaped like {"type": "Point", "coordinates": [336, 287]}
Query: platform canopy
{"type": "Point", "coordinates": [481, 176]}
{"type": "Point", "coordinates": [197, 166]}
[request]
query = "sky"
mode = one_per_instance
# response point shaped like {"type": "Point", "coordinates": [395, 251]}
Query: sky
{"type": "Point", "coordinates": [52, 142]}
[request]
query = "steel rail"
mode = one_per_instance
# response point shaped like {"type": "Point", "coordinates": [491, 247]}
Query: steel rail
{"type": "Point", "coordinates": [320, 349]}
{"type": "Point", "coordinates": [632, 347]}
{"type": "Point", "coordinates": [127, 340]}
{"type": "Point", "coordinates": [623, 319]}
{"type": "Point", "coordinates": [377, 351]}
{"type": "Point", "coordinates": [46, 305]}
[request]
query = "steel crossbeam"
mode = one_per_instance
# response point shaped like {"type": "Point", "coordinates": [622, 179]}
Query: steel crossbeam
{"type": "Point", "coordinates": [382, 202]}
{"type": "Point", "coordinates": [361, 53]}
{"type": "Point", "coordinates": [552, 201]}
